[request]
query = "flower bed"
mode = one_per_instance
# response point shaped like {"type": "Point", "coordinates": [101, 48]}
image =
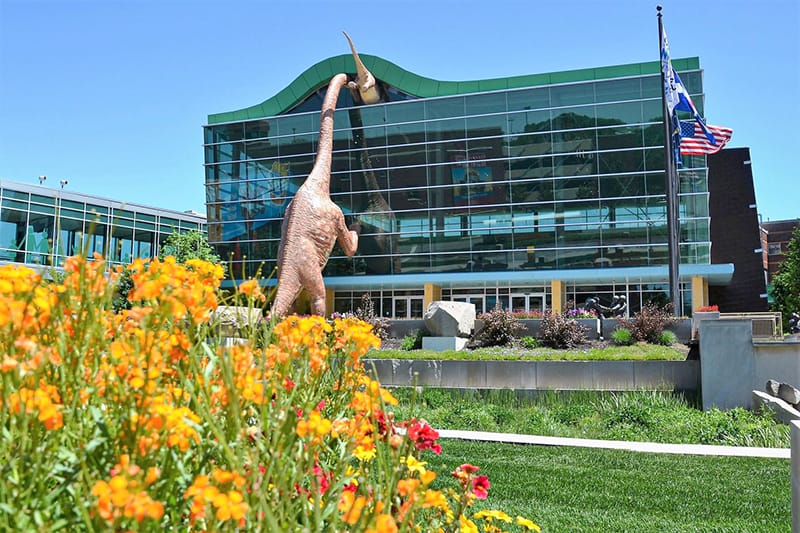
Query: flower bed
{"type": "Point", "coordinates": [144, 420]}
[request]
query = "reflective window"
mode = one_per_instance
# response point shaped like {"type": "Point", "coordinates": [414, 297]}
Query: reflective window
{"type": "Point", "coordinates": [13, 231]}
{"type": "Point", "coordinates": [618, 90]}
{"type": "Point", "coordinates": [563, 176]}
{"type": "Point", "coordinates": [564, 95]}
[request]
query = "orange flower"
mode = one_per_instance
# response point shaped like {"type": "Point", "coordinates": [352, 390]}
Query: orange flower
{"type": "Point", "coordinates": [228, 505]}
{"type": "Point", "coordinates": [351, 507]}
{"type": "Point", "coordinates": [251, 289]}
{"type": "Point", "coordinates": [385, 524]}
{"type": "Point", "coordinates": [316, 425]}
{"type": "Point", "coordinates": [121, 496]}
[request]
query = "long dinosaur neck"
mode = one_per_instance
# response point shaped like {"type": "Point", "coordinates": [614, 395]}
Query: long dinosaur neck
{"type": "Point", "coordinates": [321, 173]}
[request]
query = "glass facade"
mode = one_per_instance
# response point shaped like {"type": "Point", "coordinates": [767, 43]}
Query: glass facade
{"type": "Point", "coordinates": [44, 226]}
{"type": "Point", "coordinates": [557, 176]}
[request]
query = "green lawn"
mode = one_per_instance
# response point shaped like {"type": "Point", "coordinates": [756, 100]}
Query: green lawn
{"type": "Point", "coordinates": [637, 352]}
{"type": "Point", "coordinates": [577, 490]}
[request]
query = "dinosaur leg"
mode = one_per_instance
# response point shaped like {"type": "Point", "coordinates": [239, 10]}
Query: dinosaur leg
{"type": "Point", "coordinates": [288, 290]}
{"type": "Point", "coordinates": [316, 290]}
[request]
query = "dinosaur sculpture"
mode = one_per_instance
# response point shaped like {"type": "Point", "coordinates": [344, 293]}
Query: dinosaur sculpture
{"type": "Point", "coordinates": [313, 223]}
{"type": "Point", "coordinates": [367, 87]}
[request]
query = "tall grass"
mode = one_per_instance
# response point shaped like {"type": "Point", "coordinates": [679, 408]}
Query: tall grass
{"type": "Point", "coordinates": [653, 416]}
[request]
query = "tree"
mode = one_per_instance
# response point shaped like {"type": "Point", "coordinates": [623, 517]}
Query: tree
{"type": "Point", "coordinates": [786, 283]}
{"type": "Point", "coordinates": [189, 245]}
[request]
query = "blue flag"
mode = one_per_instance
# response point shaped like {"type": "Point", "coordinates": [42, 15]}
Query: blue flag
{"type": "Point", "coordinates": [678, 98]}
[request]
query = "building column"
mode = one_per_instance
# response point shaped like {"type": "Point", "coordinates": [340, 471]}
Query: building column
{"type": "Point", "coordinates": [558, 296]}
{"type": "Point", "coordinates": [432, 293]}
{"type": "Point", "coordinates": [329, 301]}
{"type": "Point", "coordinates": [699, 292]}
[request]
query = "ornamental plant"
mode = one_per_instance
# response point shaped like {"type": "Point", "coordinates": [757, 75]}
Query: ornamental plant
{"type": "Point", "coordinates": [560, 331]}
{"type": "Point", "coordinates": [500, 327]}
{"type": "Point", "coordinates": [146, 420]}
{"type": "Point", "coordinates": [648, 324]}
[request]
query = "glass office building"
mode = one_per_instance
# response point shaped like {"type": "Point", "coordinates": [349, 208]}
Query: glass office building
{"type": "Point", "coordinates": [532, 191]}
{"type": "Point", "coordinates": [42, 226]}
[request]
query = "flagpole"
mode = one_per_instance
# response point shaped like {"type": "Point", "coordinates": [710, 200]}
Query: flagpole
{"type": "Point", "coordinates": [671, 182]}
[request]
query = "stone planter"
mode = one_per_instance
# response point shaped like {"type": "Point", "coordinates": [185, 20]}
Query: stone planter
{"type": "Point", "coordinates": [699, 316]}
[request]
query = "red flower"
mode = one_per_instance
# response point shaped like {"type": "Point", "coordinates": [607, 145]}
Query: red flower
{"type": "Point", "coordinates": [323, 478]}
{"type": "Point", "coordinates": [480, 487]}
{"type": "Point", "coordinates": [465, 471]}
{"type": "Point", "coordinates": [424, 436]}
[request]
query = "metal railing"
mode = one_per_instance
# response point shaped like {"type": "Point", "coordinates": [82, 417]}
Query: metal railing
{"type": "Point", "coordinates": [766, 325]}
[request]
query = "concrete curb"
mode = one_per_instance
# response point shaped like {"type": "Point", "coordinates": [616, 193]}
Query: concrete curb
{"type": "Point", "coordinates": [647, 447]}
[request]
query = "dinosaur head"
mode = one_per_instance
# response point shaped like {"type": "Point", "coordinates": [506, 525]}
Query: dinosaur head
{"type": "Point", "coordinates": [365, 82]}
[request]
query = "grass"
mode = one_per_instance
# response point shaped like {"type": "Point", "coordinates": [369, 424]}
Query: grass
{"type": "Point", "coordinates": [636, 352]}
{"type": "Point", "coordinates": [575, 489]}
{"type": "Point", "coordinates": [649, 416]}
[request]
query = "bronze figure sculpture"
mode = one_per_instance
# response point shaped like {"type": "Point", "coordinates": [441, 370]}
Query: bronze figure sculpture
{"type": "Point", "coordinates": [313, 223]}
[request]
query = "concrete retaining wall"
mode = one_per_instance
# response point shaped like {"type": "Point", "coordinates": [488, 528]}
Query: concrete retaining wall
{"type": "Point", "coordinates": [538, 375]}
{"type": "Point", "coordinates": [734, 365]}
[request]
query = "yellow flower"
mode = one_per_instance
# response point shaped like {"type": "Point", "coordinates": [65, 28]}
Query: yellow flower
{"type": "Point", "coordinates": [492, 514]}
{"type": "Point", "coordinates": [527, 524]}
{"type": "Point", "coordinates": [466, 525]}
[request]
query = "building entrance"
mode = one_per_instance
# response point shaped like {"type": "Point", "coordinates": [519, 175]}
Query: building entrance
{"type": "Point", "coordinates": [528, 303]}
{"type": "Point", "coordinates": [407, 307]}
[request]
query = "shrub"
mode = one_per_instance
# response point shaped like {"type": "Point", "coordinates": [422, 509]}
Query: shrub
{"type": "Point", "coordinates": [366, 312]}
{"type": "Point", "coordinates": [559, 331]}
{"type": "Point", "coordinates": [145, 420]}
{"type": "Point", "coordinates": [648, 324]}
{"type": "Point", "coordinates": [412, 341]}
{"type": "Point", "coordinates": [667, 338]}
{"type": "Point", "coordinates": [500, 328]}
{"type": "Point", "coordinates": [529, 342]}
{"type": "Point", "coordinates": [622, 337]}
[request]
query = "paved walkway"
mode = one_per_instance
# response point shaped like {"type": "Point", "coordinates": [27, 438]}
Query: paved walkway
{"type": "Point", "coordinates": [651, 447]}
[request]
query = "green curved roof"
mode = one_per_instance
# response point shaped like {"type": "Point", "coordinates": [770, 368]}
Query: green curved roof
{"type": "Point", "coordinates": [320, 74]}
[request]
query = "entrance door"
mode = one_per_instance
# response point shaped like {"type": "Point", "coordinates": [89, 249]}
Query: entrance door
{"type": "Point", "coordinates": [527, 303]}
{"type": "Point", "coordinates": [408, 307]}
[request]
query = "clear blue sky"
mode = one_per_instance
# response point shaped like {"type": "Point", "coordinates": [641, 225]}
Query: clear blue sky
{"type": "Point", "coordinates": [112, 95]}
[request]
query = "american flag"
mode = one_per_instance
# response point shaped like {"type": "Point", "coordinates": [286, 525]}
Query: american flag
{"type": "Point", "coordinates": [695, 142]}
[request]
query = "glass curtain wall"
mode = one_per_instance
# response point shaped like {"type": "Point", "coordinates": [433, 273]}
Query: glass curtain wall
{"type": "Point", "coordinates": [554, 177]}
{"type": "Point", "coordinates": [40, 229]}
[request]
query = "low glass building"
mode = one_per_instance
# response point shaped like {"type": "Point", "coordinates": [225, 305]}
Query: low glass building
{"type": "Point", "coordinates": [42, 226]}
{"type": "Point", "coordinates": [528, 192]}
